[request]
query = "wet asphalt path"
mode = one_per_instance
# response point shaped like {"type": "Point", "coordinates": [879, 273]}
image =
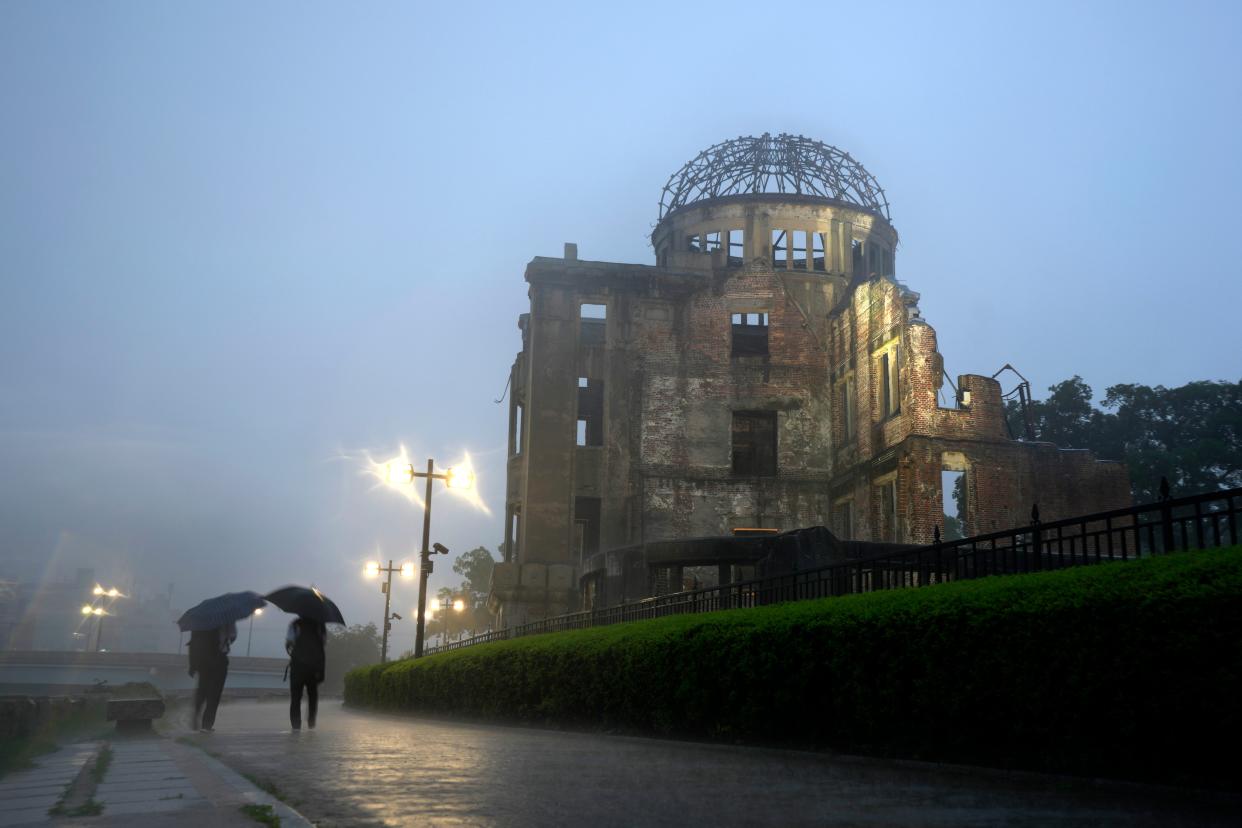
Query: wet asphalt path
{"type": "Point", "coordinates": [365, 769]}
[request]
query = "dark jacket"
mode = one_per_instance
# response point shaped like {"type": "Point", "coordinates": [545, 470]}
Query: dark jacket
{"type": "Point", "coordinates": [205, 652]}
{"type": "Point", "coordinates": [306, 650]}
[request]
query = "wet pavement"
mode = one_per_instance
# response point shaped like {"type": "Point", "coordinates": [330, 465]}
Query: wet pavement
{"type": "Point", "coordinates": [365, 769]}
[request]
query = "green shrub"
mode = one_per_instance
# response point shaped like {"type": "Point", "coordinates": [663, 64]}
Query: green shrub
{"type": "Point", "coordinates": [1125, 669]}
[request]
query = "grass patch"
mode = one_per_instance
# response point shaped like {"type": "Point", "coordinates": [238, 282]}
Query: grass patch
{"type": "Point", "coordinates": [102, 762]}
{"type": "Point", "coordinates": [88, 808]}
{"type": "Point", "coordinates": [266, 785]}
{"type": "Point", "coordinates": [84, 720]}
{"type": "Point", "coordinates": [262, 814]}
{"type": "Point", "coordinates": [1103, 670]}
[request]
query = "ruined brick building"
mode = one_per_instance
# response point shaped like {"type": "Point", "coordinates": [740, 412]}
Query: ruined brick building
{"type": "Point", "coordinates": [769, 371]}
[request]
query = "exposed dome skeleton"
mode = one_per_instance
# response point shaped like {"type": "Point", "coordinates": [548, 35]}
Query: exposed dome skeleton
{"type": "Point", "coordinates": [789, 164]}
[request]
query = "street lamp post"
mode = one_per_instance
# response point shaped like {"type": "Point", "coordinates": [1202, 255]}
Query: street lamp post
{"type": "Point", "coordinates": [100, 612]}
{"type": "Point", "coordinates": [250, 634]}
{"type": "Point", "coordinates": [452, 479]}
{"type": "Point", "coordinates": [372, 569]}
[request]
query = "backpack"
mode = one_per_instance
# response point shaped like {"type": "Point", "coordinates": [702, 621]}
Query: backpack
{"type": "Point", "coordinates": [308, 646]}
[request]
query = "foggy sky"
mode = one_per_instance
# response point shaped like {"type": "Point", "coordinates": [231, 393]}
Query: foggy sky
{"type": "Point", "coordinates": [241, 245]}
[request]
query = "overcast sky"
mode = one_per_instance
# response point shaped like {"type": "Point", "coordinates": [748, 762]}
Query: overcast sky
{"type": "Point", "coordinates": [242, 244]}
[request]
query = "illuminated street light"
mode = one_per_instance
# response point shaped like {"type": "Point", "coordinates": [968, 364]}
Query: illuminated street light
{"type": "Point", "coordinates": [250, 634]}
{"type": "Point", "coordinates": [371, 570]}
{"type": "Point", "coordinates": [100, 592]}
{"type": "Point", "coordinates": [460, 478]}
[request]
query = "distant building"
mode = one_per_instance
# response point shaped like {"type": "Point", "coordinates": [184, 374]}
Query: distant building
{"type": "Point", "coordinates": [768, 371]}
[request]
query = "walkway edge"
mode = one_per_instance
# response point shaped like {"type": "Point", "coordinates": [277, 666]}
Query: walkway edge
{"type": "Point", "coordinates": [252, 793]}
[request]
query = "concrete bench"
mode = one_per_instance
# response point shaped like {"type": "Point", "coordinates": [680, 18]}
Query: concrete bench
{"type": "Point", "coordinates": [134, 715]}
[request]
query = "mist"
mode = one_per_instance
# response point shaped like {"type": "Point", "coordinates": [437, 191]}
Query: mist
{"type": "Point", "coordinates": [243, 248]}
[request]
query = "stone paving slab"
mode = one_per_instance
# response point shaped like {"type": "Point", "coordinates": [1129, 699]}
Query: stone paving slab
{"type": "Point", "coordinates": [26, 796]}
{"type": "Point", "coordinates": [28, 816]}
{"type": "Point", "coordinates": [179, 791]}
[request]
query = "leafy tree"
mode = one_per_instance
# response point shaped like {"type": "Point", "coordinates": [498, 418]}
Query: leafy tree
{"type": "Point", "coordinates": [475, 567]}
{"type": "Point", "coordinates": [1191, 434]}
{"type": "Point", "coordinates": [355, 646]}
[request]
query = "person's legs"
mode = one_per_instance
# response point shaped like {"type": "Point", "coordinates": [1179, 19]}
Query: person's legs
{"type": "Point", "coordinates": [312, 701]}
{"type": "Point", "coordinates": [200, 698]}
{"type": "Point", "coordinates": [215, 690]}
{"type": "Point", "coordinates": [295, 699]}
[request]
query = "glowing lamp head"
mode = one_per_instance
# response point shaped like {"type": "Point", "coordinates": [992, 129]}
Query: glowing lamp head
{"type": "Point", "coordinates": [398, 474]}
{"type": "Point", "coordinates": [459, 477]}
{"type": "Point", "coordinates": [371, 570]}
{"type": "Point", "coordinates": [459, 605]}
{"type": "Point", "coordinates": [86, 610]}
{"type": "Point", "coordinates": [114, 592]}
{"type": "Point", "coordinates": [98, 590]}
{"type": "Point", "coordinates": [99, 611]}
{"type": "Point", "coordinates": [435, 604]}
{"type": "Point", "coordinates": [407, 570]}
{"type": "Point", "coordinates": [258, 611]}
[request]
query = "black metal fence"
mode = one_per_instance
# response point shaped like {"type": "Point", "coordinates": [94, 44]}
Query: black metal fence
{"type": "Point", "coordinates": [1168, 525]}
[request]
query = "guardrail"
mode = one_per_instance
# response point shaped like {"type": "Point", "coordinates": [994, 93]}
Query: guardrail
{"type": "Point", "coordinates": [1199, 522]}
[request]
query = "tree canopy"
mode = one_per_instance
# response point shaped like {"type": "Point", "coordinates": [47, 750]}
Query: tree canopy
{"type": "Point", "coordinates": [1191, 434]}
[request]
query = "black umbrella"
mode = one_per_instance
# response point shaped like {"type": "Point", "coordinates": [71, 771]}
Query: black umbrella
{"type": "Point", "coordinates": [308, 603]}
{"type": "Point", "coordinates": [221, 610]}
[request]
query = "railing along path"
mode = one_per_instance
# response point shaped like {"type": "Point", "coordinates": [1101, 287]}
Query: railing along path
{"type": "Point", "coordinates": [1168, 525]}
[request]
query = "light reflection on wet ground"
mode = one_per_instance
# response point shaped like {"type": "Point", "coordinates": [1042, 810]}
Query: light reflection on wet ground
{"type": "Point", "coordinates": [360, 769]}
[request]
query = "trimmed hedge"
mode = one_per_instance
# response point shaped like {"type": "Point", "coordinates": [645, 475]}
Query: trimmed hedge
{"type": "Point", "coordinates": [1122, 669]}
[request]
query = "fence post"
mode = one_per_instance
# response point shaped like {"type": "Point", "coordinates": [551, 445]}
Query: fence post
{"type": "Point", "coordinates": [1037, 541]}
{"type": "Point", "coordinates": [1166, 515]}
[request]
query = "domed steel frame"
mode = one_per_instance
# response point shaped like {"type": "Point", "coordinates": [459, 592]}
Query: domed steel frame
{"type": "Point", "coordinates": [788, 164]}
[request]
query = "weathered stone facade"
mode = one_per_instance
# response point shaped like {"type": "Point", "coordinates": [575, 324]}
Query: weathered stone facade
{"type": "Point", "coordinates": [770, 371]}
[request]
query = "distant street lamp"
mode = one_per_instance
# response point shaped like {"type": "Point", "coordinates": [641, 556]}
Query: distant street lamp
{"type": "Point", "coordinates": [454, 479]}
{"type": "Point", "coordinates": [457, 606]}
{"type": "Point", "coordinates": [99, 612]}
{"type": "Point", "coordinates": [373, 569]}
{"type": "Point", "coordinates": [250, 634]}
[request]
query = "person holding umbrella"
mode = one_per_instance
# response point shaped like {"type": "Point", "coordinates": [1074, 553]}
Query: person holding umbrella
{"type": "Point", "coordinates": [304, 641]}
{"type": "Point", "coordinates": [213, 628]}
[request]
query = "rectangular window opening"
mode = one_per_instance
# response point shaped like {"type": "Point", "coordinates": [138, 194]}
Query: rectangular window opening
{"type": "Point", "coordinates": [778, 248]}
{"type": "Point", "coordinates": [890, 385]}
{"type": "Point", "coordinates": [713, 242]}
{"type": "Point", "coordinates": [856, 257]}
{"type": "Point", "coordinates": [953, 490]}
{"type": "Point", "coordinates": [845, 520]}
{"type": "Point", "coordinates": [515, 530]}
{"type": "Point", "coordinates": [887, 497]}
{"type": "Point", "coordinates": [590, 430]}
{"type": "Point", "coordinates": [593, 324]}
{"type": "Point", "coordinates": [515, 442]}
{"type": "Point", "coordinates": [586, 526]}
{"type": "Point", "coordinates": [692, 244]}
{"type": "Point", "coordinates": [754, 443]}
{"type": "Point", "coordinates": [847, 409]}
{"type": "Point", "coordinates": [798, 249]}
{"type": "Point", "coordinates": [750, 334]}
{"type": "Point", "coordinates": [819, 257]}
{"type": "Point", "coordinates": [736, 247]}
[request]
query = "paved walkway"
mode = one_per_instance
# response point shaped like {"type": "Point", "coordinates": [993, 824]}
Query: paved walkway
{"type": "Point", "coordinates": [149, 781]}
{"type": "Point", "coordinates": [360, 769]}
{"type": "Point", "coordinates": [27, 795]}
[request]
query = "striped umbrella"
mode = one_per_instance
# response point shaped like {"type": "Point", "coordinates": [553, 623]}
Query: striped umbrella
{"type": "Point", "coordinates": [221, 610]}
